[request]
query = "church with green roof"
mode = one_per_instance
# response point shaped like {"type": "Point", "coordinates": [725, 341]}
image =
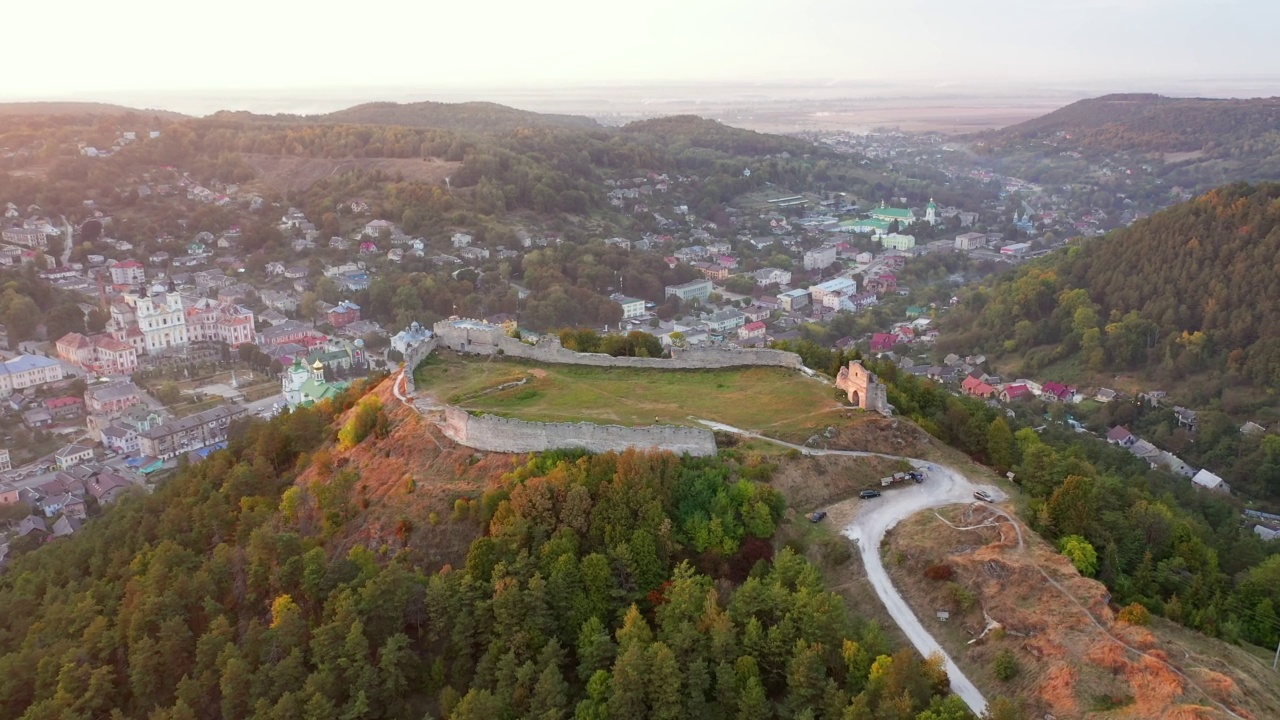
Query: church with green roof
{"type": "Point", "coordinates": [304, 386]}
{"type": "Point", "coordinates": [904, 216]}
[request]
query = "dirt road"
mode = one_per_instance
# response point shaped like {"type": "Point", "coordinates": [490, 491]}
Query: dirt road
{"type": "Point", "coordinates": [942, 486]}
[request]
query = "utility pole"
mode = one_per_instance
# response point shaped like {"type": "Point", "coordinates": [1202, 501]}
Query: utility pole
{"type": "Point", "coordinates": [1277, 660]}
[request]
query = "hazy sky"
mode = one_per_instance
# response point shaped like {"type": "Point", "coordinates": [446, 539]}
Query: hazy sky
{"type": "Point", "coordinates": [75, 48]}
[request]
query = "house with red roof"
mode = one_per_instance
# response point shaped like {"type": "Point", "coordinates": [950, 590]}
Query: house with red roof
{"type": "Point", "coordinates": [751, 330]}
{"type": "Point", "coordinates": [1057, 392]}
{"type": "Point", "coordinates": [1014, 392]}
{"type": "Point", "coordinates": [977, 388]}
{"type": "Point", "coordinates": [883, 342]}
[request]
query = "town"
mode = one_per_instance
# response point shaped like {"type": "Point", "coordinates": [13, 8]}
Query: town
{"type": "Point", "coordinates": [185, 333]}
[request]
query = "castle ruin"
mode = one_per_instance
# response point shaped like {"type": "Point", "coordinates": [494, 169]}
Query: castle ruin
{"type": "Point", "coordinates": [863, 389]}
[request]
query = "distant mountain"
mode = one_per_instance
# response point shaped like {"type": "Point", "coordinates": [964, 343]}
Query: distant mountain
{"type": "Point", "coordinates": [462, 117]}
{"type": "Point", "coordinates": [1146, 122]}
{"type": "Point", "coordinates": [80, 108]}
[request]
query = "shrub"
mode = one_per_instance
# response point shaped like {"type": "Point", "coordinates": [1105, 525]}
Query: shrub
{"type": "Point", "coordinates": [433, 518]}
{"type": "Point", "coordinates": [461, 507]}
{"type": "Point", "coordinates": [1135, 614]}
{"type": "Point", "coordinates": [367, 416]}
{"type": "Point", "coordinates": [962, 596]}
{"type": "Point", "coordinates": [939, 572]}
{"type": "Point", "coordinates": [836, 551]}
{"type": "Point", "coordinates": [1006, 666]}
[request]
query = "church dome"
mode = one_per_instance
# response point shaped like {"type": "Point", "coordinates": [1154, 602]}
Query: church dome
{"type": "Point", "coordinates": [318, 365]}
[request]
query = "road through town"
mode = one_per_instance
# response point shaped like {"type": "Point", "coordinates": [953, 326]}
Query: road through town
{"type": "Point", "coordinates": [942, 486]}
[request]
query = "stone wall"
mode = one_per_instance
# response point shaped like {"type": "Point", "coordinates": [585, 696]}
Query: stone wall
{"type": "Point", "coordinates": [497, 434]}
{"type": "Point", "coordinates": [473, 338]}
{"type": "Point", "coordinates": [413, 358]}
{"type": "Point", "coordinates": [863, 388]}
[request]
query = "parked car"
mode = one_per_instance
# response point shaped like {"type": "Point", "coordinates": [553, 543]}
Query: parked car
{"type": "Point", "coordinates": [984, 496]}
{"type": "Point", "coordinates": [816, 515]}
{"type": "Point", "coordinates": [868, 494]}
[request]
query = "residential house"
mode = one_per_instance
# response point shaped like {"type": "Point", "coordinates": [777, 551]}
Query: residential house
{"type": "Point", "coordinates": [1013, 392]}
{"type": "Point", "coordinates": [64, 407]}
{"type": "Point", "coordinates": [883, 342]}
{"type": "Point", "coordinates": [67, 524]}
{"type": "Point", "coordinates": [751, 330]}
{"type": "Point", "coordinates": [1057, 392]}
{"type": "Point", "coordinates": [756, 313]}
{"type": "Point", "coordinates": [72, 455]}
{"type": "Point", "coordinates": [724, 321]}
{"type": "Point", "coordinates": [128, 272]}
{"type": "Point", "coordinates": [1105, 395]}
{"type": "Point", "coordinates": [1186, 418]}
{"type": "Point", "coordinates": [1120, 435]}
{"type": "Point", "coordinates": [461, 240]}
{"type": "Point", "coordinates": [1209, 481]}
{"type": "Point", "coordinates": [353, 282]}
{"type": "Point", "coordinates": [474, 254]}
{"type": "Point", "coordinates": [882, 284]}
{"type": "Point", "coordinates": [977, 388]}
{"type": "Point", "coordinates": [769, 302]}
{"type": "Point", "coordinates": [283, 301]}
{"type": "Point", "coordinates": [343, 314]}
{"type": "Point", "coordinates": [119, 439]}
{"type": "Point", "coordinates": [112, 398]}
{"type": "Point", "coordinates": [772, 276]}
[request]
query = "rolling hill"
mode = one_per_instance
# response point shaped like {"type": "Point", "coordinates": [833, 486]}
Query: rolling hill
{"type": "Point", "coordinates": [462, 117]}
{"type": "Point", "coordinates": [1147, 122]}
{"type": "Point", "coordinates": [30, 109]}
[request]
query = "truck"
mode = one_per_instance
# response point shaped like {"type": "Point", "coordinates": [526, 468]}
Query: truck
{"type": "Point", "coordinates": [915, 475]}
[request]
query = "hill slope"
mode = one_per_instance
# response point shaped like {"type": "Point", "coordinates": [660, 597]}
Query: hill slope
{"type": "Point", "coordinates": [79, 108]}
{"type": "Point", "coordinates": [463, 117]}
{"type": "Point", "coordinates": [1188, 288]}
{"type": "Point", "coordinates": [1146, 122]}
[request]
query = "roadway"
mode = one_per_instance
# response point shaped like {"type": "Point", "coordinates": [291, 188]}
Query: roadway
{"type": "Point", "coordinates": [942, 486]}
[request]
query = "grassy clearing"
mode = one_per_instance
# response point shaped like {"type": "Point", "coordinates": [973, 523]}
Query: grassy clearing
{"type": "Point", "coordinates": [771, 400]}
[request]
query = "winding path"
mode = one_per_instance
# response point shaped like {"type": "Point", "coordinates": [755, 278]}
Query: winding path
{"type": "Point", "coordinates": [942, 486]}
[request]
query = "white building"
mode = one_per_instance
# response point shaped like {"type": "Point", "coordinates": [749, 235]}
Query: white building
{"type": "Point", "coordinates": [410, 336]}
{"type": "Point", "coordinates": [27, 371]}
{"type": "Point", "coordinates": [631, 307]}
{"type": "Point", "coordinates": [820, 258]}
{"type": "Point", "coordinates": [793, 300]}
{"type": "Point", "coordinates": [461, 240]}
{"type": "Point", "coordinates": [152, 324]}
{"type": "Point", "coordinates": [971, 241]}
{"type": "Point", "coordinates": [842, 285]}
{"type": "Point", "coordinates": [128, 272]}
{"type": "Point", "coordinates": [770, 276]}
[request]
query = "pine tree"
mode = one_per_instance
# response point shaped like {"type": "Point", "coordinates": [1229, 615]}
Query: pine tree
{"type": "Point", "coordinates": [627, 688]}
{"type": "Point", "coordinates": [664, 696]}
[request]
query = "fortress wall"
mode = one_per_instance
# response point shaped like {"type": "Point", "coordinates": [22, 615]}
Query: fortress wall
{"type": "Point", "coordinates": [497, 434]}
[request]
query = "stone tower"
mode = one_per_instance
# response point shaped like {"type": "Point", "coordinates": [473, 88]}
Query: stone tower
{"type": "Point", "coordinates": [863, 389]}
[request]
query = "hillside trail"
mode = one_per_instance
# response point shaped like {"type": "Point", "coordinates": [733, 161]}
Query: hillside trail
{"type": "Point", "coordinates": [943, 486]}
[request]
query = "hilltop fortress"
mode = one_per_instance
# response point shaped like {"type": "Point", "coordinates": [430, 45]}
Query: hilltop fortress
{"type": "Point", "coordinates": [497, 434]}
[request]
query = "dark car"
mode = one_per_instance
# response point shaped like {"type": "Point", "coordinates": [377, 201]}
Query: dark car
{"type": "Point", "coordinates": [816, 515]}
{"type": "Point", "coordinates": [868, 494]}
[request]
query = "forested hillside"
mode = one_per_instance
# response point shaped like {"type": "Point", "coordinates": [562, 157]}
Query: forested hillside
{"type": "Point", "coordinates": [614, 586]}
{"type": "Point", "coordinates": [1153, 537]}
{"type": "Point", "coordinates": [463, 117]}
{"type": "Point", "coordinates": [1126, 122]}
{"type": "Point", "coordinates": [1189, 291]}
